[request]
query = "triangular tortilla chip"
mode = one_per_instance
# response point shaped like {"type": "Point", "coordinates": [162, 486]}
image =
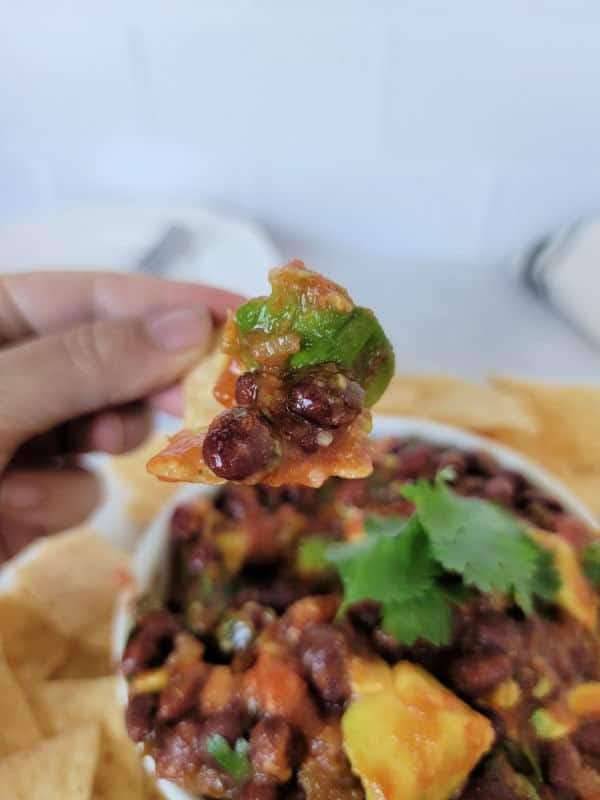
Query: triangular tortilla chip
{"type": "Point", "coordinates": [74, 579]}
{"type": "Point", "coordinates": [61, 768]}
{"type": "Point", "coordinates": [61, 704]}
{"type": "Point", "coordinates": [34, 648]}
{"type": "Point", "coordinates": [18, 726]}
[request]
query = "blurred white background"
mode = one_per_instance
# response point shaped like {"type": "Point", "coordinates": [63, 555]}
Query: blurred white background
{"type": "Point", "coordinates": [425, 140]}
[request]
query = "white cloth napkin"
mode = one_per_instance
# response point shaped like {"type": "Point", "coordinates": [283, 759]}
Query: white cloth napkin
{"type": "Point", "coordinates": [564, 269]}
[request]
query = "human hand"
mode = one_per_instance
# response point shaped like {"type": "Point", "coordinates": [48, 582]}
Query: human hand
{"type": "Point", "coordinates": [83, 356]}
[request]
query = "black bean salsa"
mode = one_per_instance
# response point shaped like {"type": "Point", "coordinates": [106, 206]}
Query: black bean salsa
{"type": "Point", "coordinates": [365, 640]}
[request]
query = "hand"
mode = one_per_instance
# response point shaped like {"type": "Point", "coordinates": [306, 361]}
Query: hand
{"type": "Point", "coordinates": [82, 358]}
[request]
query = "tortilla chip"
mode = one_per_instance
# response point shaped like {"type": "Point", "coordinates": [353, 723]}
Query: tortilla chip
{"type": "Point", "coordinates": [74, 579]}
{"type": "Point", "coordinates": [61, 704]}
{"type": "Point", "coordinates": [569, 418]}
{"type": "Point", "coordinates": [146, 496]}
{"type": "Point", "coordinates": [18, 727]}
{"type": "Point", "coordinates": [456, 402]}
{"type": "Point", "coordinates": [34, 648]}
{"type": "Point", "coordinates": [61, 768]}
{"type": "Point", "coordinates": [200, 405]}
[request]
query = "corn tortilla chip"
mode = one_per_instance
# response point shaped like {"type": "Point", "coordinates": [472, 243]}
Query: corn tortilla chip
{"type": "Point", "coordinates": [456, 402]}
{"type": "Point", "coordinates": [569, 418]}
{"type": "Point", "coordinates": [33, 647]}
{"type": "Point", "coordinates": [18, 726]}
{"type": "Point", "coordinates": [200, 404]}
{"type": "Point", "coordinates": [74, 579]}
{"type": "Point", "coordinates": [147, 496]}
{"type": "Point", "coordinates": [61, 704]}
{"type": "Point", "coordinates": [61, 768]}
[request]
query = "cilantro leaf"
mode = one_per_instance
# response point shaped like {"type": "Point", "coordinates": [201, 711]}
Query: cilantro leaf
{"type": "Point", "coordinates": [483, 543]}
{"type": "Point", "coordinates": [376, 525]}
{"type": "Point", "coordinates": [591, 563]}
{"type": "Point", "coordinates": [428, 616]}
{"type": "Point", "coordinates": [234, 760]}
{"type": "Point", "coordinates": [386, 568]}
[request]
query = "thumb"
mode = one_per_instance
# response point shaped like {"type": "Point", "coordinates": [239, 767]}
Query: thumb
{"type": "Point", "coordinates": [50, 380]}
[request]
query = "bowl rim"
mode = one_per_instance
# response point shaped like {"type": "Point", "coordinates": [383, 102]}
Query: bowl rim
{"type": "Point", "coordinates": [154, 541]}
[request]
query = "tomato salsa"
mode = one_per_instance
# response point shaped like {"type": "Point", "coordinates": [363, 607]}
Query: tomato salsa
{"type": "Point", "coordinates": [366, 640]}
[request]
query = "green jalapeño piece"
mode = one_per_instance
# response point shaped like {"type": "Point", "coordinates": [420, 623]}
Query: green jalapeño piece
{"type": "Point", "coordinates": [309, 320]}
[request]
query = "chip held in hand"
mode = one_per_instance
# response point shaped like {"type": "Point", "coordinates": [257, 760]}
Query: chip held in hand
{"type": "Point", "coordinates": [304, 365]}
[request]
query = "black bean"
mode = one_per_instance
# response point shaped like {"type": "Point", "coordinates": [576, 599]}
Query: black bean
{"type": "Point", "coordinates": [299, 430]}
{"type": "Point", "coordinates": [562, 764]}
{"type": "Point", "coordinates": [491, 629]}
{"type": "Point", "coordinates": [181, 693]}
{"type": "Point", "coordinates": [587, 737]}
{"type": "Point", "coordinates": [500, 489]}
{"type": "Point", "coordinates": [488, 786]}
{"type": "Point", "coordinates": [239, 443]}
{"type": "Point", "coordinates": [181, 750]}
{"type": "Point", "coordinates": [326, 398]}
{"type": "Point", "coordinates": [246, 389]}
{"type": "Point", "coordinates": [150, 642]}
{"type": "Point", "coordinates": [271, 749]}
{"type": "Point", "coordinates": [139, 716]}
{"type": "Point", "coordinates": [323, 652]}
{"type": "Point", "coordinates": [478, 673]}
{"type": "Point", "coordinates": [257, 791]}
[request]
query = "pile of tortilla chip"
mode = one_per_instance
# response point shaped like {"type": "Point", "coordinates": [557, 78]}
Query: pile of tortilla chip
{"type": "Point", "coordinates": [62, 734]}
{"type": "Point", "coordinates": [555, 425]}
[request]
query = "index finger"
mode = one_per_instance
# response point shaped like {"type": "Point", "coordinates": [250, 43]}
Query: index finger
{"type": "Point", "coordinates": [45, 302]}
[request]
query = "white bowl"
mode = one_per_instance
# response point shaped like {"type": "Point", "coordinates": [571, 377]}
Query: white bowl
{"type": "Point", "coordinates": [148, 565]}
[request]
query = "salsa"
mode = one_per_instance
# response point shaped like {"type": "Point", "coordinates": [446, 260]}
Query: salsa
{"type": "Point", "coordinates": [304, 366]}
{"type": "Point", "coordinates": [256, 679]}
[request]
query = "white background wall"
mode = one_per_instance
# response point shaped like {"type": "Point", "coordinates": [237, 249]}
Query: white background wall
{"type": "Point", "coordinates": [415, 132]}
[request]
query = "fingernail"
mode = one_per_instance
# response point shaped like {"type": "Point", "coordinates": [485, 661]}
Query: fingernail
{"type": "Point", "coordinates": [19, 494]}
{"type": "Point", "coordinates": [180, 329]}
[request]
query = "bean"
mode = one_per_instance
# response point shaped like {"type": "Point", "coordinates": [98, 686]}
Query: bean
{"type": "Point", "coordinates": [587, 737]}
{"type": "Point", "coordinates": [181, 692]}
{"type": "Point", "coordinates": [181, 750]}
{"type": "Point", "coordinates": [490, 629]}
{"type": "Point", "coordinates": [323, 652]}
{"type": "Point", "coordinates": [139, 716]}
{"type": "Point", "coordinates": [562, 764]}
{"type": "Point", "coordinates": [326, 398]}
{"type": "Point", "coordinates": [238, 444]}
{"type": "Point", "coordinates": [257, 791]}
{"type": "Point", "coordinates": [150, 642]}
{"type": "Point", "coordinates": [246, 389]}
{"type": "Point", "coordinates": [488, 786]}
{"type": "Point", "coordinates": [365, 614]}
{"type": "Point", "coordinates": [500, 489]}
{"type": "Point", "coordinates": [299, 430]}
{"type": "Point", "coordinates": [478, 673]}
{"type": "Point", "coordinates": [271, 745]}
{"type": "Point", "coordinates": [414, 460]}
{"type": "Point", "coordinates": [236, 501]}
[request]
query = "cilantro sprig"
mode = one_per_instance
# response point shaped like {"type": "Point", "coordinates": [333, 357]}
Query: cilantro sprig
{"type": "Point", "coordinates": [233, 760]}
{"type": "Point", "coordinates": [417, 568]}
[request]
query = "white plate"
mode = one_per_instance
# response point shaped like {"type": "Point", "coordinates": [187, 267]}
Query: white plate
{"type": "Point", "coordinates": [150, 559]}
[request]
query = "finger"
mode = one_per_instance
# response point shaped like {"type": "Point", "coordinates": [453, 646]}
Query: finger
{"type": "Point", "coordinates": [15, 536]}
{"type": "Point", "coordinates": [169, 400]}
{"type": "Point", "coordinates": [80, 297]}
{"type": "Point", "coordinates": [51, 500]}
{"type": "Point", "coordinates": [115, 431]}
{"type": "Point", "coordinates": [53, 379]}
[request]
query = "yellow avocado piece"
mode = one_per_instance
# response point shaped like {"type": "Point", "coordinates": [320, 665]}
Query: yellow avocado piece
{"type": "Point", "coordinates": [575, 595]}
{"type": "Point", "coordinates": [408, 737]}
